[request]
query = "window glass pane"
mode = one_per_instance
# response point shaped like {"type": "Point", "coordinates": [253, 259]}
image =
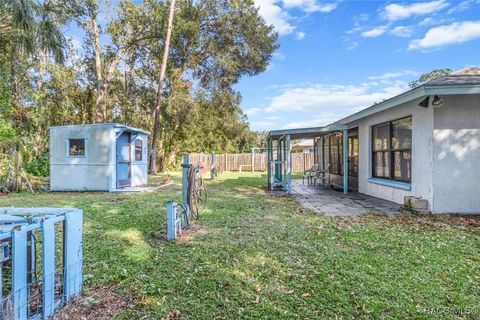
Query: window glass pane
{"type": "Point", "coordinates": [402, 134]}
{"type": "Point", "coordinates": [76, 147]}
{"type": "Point", "coordinates": [381, 164]}
{"type": "Point", "coordinates": [402, 162]}
{"type": "Point", "coordinates": [138, 150]}
{"type": "Point", "coordinates": [380, 137]}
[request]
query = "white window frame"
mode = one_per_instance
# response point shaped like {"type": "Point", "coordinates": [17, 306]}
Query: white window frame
{"type": "Point", "coordinates": [134, 150]}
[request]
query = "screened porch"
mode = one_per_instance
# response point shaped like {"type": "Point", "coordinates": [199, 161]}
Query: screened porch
{"type": "Point", "coordinates": [335, 151]}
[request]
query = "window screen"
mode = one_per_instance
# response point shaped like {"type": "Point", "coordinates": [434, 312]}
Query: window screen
{"type": "Point", "coordinates": [76, 147]}
{"type": "Point", "coordinates": [138, 150]}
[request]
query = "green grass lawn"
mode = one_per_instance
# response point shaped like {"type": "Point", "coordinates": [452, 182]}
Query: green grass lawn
{"type": "Point", "coordinates": [257, 256]}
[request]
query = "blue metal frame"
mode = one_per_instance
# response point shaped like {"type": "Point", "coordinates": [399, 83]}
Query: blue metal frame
{"type": "Point", "coordinates": [16, 224]}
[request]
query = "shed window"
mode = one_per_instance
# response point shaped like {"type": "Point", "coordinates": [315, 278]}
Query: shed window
{"type": "Point", "coordinates": [138, 150]}
{"type": "Point", "coordinates": [392, 150]}
{"type": "Point", "coordinates": [76, 147]}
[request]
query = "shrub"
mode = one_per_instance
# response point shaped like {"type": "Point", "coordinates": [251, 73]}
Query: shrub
{"type": "Point", "coordinates": [39, 166]}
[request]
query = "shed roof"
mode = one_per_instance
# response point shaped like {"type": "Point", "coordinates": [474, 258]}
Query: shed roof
{"type": "Point", "coordinates": [114, 125]}
{"type": "Point", "coordinates": [464, 81]}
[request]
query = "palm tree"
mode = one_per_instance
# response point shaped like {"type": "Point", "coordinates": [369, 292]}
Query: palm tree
{"type": "Point", "coordinates": [29, 28]}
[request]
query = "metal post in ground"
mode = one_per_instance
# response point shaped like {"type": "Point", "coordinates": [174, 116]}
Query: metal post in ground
{"type": "Point", "coordinates": [185, 167]}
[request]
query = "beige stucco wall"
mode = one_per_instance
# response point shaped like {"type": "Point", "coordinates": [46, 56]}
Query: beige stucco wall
{"type": "Point", "coordinates": [422, 153]}
{"type": "Point", "coordinates": [92, 172]}
{"type": "Point", "coordinates": [456, 171]}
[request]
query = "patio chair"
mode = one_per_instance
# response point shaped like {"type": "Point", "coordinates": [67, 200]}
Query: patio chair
{"type": "Point", "coordinates": [324, 176]}
{"type": "Point", "coordinates": [310, 173]}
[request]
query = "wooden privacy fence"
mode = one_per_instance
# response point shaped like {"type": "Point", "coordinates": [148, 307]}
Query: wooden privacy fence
{"type": "Point", "coordinates": [245, 161]}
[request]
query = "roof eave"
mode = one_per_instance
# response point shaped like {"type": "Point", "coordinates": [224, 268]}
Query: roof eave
{"type": "Point", "coordinates": [416, 93]}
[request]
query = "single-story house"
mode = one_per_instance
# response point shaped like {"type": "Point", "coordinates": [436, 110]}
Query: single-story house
{"type": "Point", "coordinates": [302, 146]}
{"type": "Point", "coordinates": [423, 143]}
{"type": "Point", "coordinates": [97, 157]}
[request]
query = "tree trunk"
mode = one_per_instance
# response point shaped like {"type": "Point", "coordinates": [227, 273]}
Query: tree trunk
{"type": "Point", "coordinates": [13, 82]}
{"type": "Point", "coordinates": [161, 78]}
{"type": "Point", "coordinates": [42, 66]}
{"type": "Point", "coordinates": [100, 101]}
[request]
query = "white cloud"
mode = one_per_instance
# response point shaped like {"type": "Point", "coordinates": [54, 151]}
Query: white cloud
{"type": "Point", "coordinates": [340, 99]}
{"type": "Point", "coordinates": [402, 31]}
{"type": "Point", "coordinates": [274, 15]}
{"type": "Point", "coordinates": [462, 6]}
{"type": "Point", "coordinates": [319, 120]}
{"type": "Point", "coordinates": [311, 5]}
{"type": "Point", "coordinates": [455, 33]}
{"type": "Point", "coordinates": [392, 75]}
{"type": "Point", "coordinates": [253, 111]}
{"type": "Point", "coordinates": [395, 11]}
{"type": "Point", "coordinates": [352, 45]}
{"type": "Point", "coordinates": [262, 125]}
{"type": "Point", "coordinates": [275, 12]}
{"type": "Point", "coordinates": [300, 35]}
{"type": "Point", "coordinates": [375, 32]}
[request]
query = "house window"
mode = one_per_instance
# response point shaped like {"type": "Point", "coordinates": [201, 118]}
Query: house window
{"type": "Point", "coordinates": [76, 147]}
{"type": "Point", "coordinates": [392, 150]}
{"type": "Point", "coordinates": [138, 150]}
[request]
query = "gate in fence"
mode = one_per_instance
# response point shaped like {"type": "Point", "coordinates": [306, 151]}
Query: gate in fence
{"type": "Point", "coordinates": [40, 260]}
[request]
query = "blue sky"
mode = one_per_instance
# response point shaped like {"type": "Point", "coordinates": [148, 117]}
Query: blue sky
{"type": "Point", "coordinates": [336, 58]}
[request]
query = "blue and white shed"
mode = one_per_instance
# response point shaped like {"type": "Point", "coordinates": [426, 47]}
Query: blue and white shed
{"type": "Point", "coordinates": [97, 157]}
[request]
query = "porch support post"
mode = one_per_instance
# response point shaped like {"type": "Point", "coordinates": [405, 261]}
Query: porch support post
{"type": "Point", "coordinates": [278, 165]}
{"type": "Point", "coordinates": [288, 159]}
{"type": "Point", "coordinates": [345, 161]}
{"type": "Point", "coordinates": [314, 151]}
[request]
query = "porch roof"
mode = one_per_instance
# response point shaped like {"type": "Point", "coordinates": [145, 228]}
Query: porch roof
{"type": "Point", "coordinates": [465, 81]}
{"type": "Point", "coordinates": [305, 133]}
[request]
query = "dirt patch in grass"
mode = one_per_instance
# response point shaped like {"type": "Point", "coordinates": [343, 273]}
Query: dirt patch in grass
{"type": "Point", "coordinates": [347, 223]}
{"type": "Point", "coordinates": [435, 221]}
{"type": "Point", "coordinates": [98, 302]}
{"type": "Point", "coordinates": [195, 230]}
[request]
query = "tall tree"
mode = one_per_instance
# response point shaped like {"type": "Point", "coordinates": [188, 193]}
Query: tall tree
{"type": "Point", "coordinates": [214, 43]}
{"type": "Point", "coordinates": [432, 75]}
{"type": "Point", "coordinates": [161, 79]}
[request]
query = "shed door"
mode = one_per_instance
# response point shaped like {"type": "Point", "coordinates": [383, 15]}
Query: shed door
{"type": "Point", "coordinates": [124, 176]}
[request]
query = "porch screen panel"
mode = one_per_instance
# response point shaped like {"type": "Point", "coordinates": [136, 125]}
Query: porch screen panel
{"type": "Point", "coordinates": [336, 154]}
{"type": "Point", "coordinates": [353, 156]}
{"type": "Point", "coordinates": [319, 155]}
{"type": "Point", "coordinates": [334, 163]}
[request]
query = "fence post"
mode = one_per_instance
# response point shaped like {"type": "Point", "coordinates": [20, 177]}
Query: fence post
{"type": "Point", "coordinates": [73, 228]}
{"type": "Point", "coordinates": [19, 273]}
{"type": "Point", "coordinates": [253, 160]}
{"type": "Point", "coordinates": [48, 257]}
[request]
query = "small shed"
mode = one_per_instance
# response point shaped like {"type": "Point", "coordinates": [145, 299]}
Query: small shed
{"type": "Point", "coordinates": [97, 157]}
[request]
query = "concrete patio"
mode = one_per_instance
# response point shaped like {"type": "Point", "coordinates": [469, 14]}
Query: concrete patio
{"type": "Point", "coordinates": [334, 203]}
